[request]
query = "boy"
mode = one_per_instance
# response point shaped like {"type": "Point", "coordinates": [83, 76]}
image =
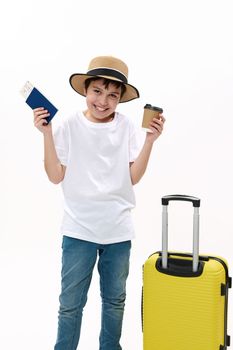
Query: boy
{"type": "Point", "coordinates": [94, 155]}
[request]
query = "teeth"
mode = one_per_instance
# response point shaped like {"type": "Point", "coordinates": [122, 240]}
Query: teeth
{"type": "Point", "coordinates": [100, 109]}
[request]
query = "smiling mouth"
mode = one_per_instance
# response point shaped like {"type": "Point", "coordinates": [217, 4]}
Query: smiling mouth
{"type": "Point", "coordinates": [100, 109]}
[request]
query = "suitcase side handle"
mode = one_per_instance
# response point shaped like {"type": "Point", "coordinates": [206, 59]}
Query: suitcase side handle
{"type": "Point", "coordinates": [196, 205]}
{"type": "Point", "coordinates": [180, 197]}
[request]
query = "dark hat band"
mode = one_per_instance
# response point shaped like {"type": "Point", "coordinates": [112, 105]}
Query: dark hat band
{"type": "Point", "coordinates": [108, 72]}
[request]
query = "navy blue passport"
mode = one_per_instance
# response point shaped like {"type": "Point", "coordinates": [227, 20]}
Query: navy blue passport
{"type": "Point", "coordinates": [35, 99]}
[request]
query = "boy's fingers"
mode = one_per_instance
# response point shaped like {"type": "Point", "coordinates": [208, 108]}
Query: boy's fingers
{"type": "Point", "coordinates": [161, 118]}
{"type": "Point", "coordinates": [40, 112]}
{"type": "Point", "coordinates": [38, 109]}
{"type": "Point", "coordinates": [158, 121]}
{"type": "Point", "coordinates": [40, 123]}
{"type": "Point", "coordinates": [157, 124]}
{"type": "Point", "coordinates": [41, 116]}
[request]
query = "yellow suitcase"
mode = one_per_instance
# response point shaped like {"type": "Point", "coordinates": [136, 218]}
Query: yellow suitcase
{"type": "Point", "coordinates": [185, 296]}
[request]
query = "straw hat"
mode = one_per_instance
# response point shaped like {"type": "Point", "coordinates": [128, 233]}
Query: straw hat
{"type": "Point", "coordinates": [107, 67]}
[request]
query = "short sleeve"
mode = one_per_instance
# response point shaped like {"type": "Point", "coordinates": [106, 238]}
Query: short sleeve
{"type": "Point", "coordinates": [134, 144]}
{"type": "Point", "coordinates": [61, 141]}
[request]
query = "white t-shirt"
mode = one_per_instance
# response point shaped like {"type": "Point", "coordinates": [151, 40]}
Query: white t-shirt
{"type": "Point", "coordinates": [98, 193]}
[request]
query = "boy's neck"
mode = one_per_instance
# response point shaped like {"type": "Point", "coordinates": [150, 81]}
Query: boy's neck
{"type": "Point", "coordinates": [89, 116]}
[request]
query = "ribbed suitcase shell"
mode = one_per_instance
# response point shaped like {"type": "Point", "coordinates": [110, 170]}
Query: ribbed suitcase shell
{"type": "Point", "coordinates": [184, 313]}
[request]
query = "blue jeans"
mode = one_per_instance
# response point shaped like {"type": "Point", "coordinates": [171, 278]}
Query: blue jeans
{"type": "Point", "coordinates": [78, 260]}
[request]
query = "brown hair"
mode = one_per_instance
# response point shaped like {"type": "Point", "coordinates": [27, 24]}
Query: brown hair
{"type": "Point", "coordinates": [106, 83]}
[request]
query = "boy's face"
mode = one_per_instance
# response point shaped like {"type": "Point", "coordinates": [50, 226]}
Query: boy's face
{"type": "Point", "coordinates": [101, 102]}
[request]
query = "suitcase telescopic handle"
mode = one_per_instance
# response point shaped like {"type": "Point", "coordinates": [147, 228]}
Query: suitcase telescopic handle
{"type": "Point", "coordinates": [196, 204]}
{"type": "Point", "coordinates": [180, 197]}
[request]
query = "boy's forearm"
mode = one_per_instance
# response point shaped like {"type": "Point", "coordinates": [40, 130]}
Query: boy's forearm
{"type": "Point", "coordinates": [139, 166]}
{"type": "Point", "coordinates": [53, 166]}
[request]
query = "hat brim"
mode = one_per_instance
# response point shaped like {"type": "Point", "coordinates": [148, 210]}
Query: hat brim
{"type": "Point", "coordinates": [77, 82]}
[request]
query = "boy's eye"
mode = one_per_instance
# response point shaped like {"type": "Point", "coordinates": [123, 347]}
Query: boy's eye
{"type": "Point", "coordinates": [96, 91]}
{"type": "Point", "coordinates": [113, 96]}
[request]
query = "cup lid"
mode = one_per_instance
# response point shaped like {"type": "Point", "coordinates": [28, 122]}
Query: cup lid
{"type": "Point", "coordinates": [154, 108]}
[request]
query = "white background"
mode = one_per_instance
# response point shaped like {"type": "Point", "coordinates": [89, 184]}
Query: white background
{"type": "Point", "coordinates": [180, 56]}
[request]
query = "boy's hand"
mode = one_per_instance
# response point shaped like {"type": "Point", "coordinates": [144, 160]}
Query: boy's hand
{"type": "Point", "coordinates": [39, 120]}
{"type": "Point", "coordinates": [156, 127]}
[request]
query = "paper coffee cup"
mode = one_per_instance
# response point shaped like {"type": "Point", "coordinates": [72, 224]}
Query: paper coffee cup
{"type": "Point", "coordinates": [150, 112]}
